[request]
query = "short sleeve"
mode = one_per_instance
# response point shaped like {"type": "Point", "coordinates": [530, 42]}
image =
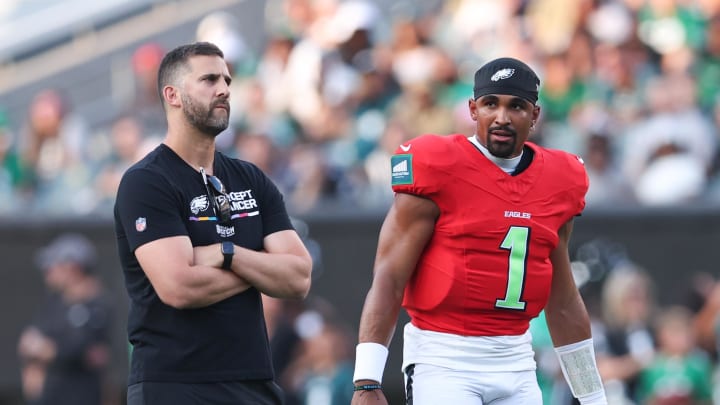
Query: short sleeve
{"type": "Point", "coordinates": [275, 217]}
{"type": "Point", "coordinates": [581, 181]}
{"type": "Point", "coordinates": [147, 208]}
{"type": "Point", "coordinates": [412, 166]}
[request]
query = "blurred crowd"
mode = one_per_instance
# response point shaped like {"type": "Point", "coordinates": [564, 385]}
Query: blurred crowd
{"type": "Point", "coordinates": [649, 351]}
{"type": "Point", "coordinates": [65, 349]}
{"type": "Point", "coordinates": [632, 86]}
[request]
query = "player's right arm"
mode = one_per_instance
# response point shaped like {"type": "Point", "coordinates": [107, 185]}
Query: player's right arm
{"type": "Point", "coordinates": [181, 283]}
{"type": "Point", "coordinates": [406, 230]}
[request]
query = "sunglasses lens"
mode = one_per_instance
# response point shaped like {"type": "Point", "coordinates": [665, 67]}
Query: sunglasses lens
{"type": "Point", "coordinates": [217, 184]}
{"type": "Point", "coordinates": [222, 208]}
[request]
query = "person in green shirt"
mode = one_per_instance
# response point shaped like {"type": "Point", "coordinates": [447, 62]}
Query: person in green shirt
{"type": "Point", "coordinates": [680, 373]}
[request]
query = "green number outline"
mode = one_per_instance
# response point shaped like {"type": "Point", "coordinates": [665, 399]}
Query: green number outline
{"type": "Point", "coordinates": [516, 242]}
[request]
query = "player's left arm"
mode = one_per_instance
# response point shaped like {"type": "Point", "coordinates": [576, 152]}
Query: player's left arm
{"type": "Point", "coordinates": [569, 326]}
{"type": "Point", "coordinates": [567, 316]}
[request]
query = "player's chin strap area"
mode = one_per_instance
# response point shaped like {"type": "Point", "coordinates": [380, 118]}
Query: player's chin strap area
{"type": "Point", "coordinates": [577, 361]}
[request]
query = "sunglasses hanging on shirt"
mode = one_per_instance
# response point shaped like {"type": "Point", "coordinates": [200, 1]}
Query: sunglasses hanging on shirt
{"type": "Point", "coordinates": [221, 208]}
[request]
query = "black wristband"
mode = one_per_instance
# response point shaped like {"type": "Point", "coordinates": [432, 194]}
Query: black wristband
{"type": "Point", "coordinates": [367, 387]}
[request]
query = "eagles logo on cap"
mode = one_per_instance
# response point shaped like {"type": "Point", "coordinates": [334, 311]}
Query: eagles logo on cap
{"type": "Point", "coordinates": [502, 74]}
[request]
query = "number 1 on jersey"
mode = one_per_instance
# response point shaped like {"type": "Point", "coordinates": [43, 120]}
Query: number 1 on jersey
{"type": "Point", "coordinates": [516, 241]}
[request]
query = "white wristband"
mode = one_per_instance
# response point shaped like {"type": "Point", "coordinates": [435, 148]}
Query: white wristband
{"type": "Point", "coordinates": [370, 361]}
{"type": "Point", "coordinates": [577, 361]}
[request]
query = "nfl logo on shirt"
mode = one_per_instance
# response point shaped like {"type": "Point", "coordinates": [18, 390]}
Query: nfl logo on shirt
{"type": "Point", "coordinates": [140, 224]}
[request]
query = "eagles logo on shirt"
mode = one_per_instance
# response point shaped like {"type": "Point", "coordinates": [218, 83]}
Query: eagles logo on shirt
{"type": "Point", "coordinates": [199, 204]}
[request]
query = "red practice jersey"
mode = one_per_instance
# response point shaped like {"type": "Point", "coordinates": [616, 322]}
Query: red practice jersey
{"type": "Point", "coordinates": [486, 270]}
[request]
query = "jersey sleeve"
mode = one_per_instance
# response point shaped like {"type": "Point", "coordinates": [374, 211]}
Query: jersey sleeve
{"type": "Point", "coordinates": [275, 216]}
{"type": "Point", "coordinates": [147, 208]}
{"type": "Point", "coordinates": [413, 168]}
{"type": "Point", "coordinates": [578, 183]}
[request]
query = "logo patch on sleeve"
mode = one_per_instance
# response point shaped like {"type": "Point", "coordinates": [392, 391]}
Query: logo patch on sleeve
{"type": "Point", "coordinates": [402, 172]}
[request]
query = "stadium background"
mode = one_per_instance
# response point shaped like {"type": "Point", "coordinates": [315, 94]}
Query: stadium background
{"type": "Point", "coordinates": [83, 48]}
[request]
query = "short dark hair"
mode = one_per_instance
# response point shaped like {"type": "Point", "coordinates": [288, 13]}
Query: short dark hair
{"type": "Point", "coordinates": [176, 59]}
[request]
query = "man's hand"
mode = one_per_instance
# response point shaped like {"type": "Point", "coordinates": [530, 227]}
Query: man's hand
{"type": "Point", "coordinates": [368, 397]}
{"type": "Point", "coordinates": [35, 345]}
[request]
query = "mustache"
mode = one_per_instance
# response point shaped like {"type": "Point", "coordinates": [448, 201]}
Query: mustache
{"type": "Point", "coordinates": [221, 103]}
{"type": "Point", "coordinates": [504, 128]}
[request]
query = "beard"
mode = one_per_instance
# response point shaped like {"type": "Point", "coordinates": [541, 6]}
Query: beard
{"type": "Point", "coordinates": [202, 118]}
{"type": "Point", "coordinates": [502, 150]}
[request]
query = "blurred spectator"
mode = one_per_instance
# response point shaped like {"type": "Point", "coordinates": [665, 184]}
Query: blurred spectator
{"type": "Point", "coordinates": [672, 176]}
{"type": "Point", "coordinates": [145, 105]}
{"type": "Point", "coordinates": [473, 26]}
{"type": "Point", "coordinates": [294, 17]}
{"type": "Point", "coordinates": [607, 184]}
{"type": "Point", "coordinates": [302, 75]}
{"type": "Point", "coordinates": [666, 25]}
{"type": "Point", "coordinates": [611, 23]}
{"type": "Point", "coordinates": [285, 325]}
{"type": "Point", "coordinates": [268, 94]}
{"type": "Point", "coordinates": [52, 145]}
{"type": "Point", "coordinates": [675, 139]}
{"type": "Point", "coordinates": [254, 113]}
{"type": "Point", "coordinates": [12, 176]}
{"type": "Point", "coordinates": [285, 341]}
{"type": "Point", "coordinates": [308, 179]}
{"type": "Point", "coordinates": [333, 74]}
{"type": "Point", "coordinates": [713, 191]}
{"type": "Point", "coordinates": [260, 150]}
{"type": "Point", "coordinates": [627, 310]}
{"type": "Point", "coordinates": [561, 91]}
{"type": "Point", "coordinates": [222, 29]}
{"type": "Point", "coordinates": [707, 320]}
{"type": "Point", "coordinates": [126, 140]}
{"type": "Point", "coordinates": [66, 349]}
{"type": "Point", "coordinates": [679, 374]}
{"type": "Point", "coordinates": [351, 30]}
{"type": "Point", "coordinates": [324, 366]}
{"type": "Point", "coordinates": [414, 57]}
{"type": "Point", "coordinates": [554, 22]}
{"type": "Point", "coordinates": [418, 110]}
{"type": "Point", "coordinates": [708, 65]}
{"type": "Point", "coordinates": [706, 326]}
{"type": "Point", "coordinates": [372, 100]}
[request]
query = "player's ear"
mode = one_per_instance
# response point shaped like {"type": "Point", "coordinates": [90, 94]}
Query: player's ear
{"type": "Point", "coordinates": [535, 114]}
{"type": "Point", "coordinates": [473, 109]}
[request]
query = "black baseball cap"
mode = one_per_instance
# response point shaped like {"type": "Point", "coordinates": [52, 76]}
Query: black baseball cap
{"type": "Point", "coordinates": [507, 76]}
{"type": "Point", "coordinates": [68, 248]}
